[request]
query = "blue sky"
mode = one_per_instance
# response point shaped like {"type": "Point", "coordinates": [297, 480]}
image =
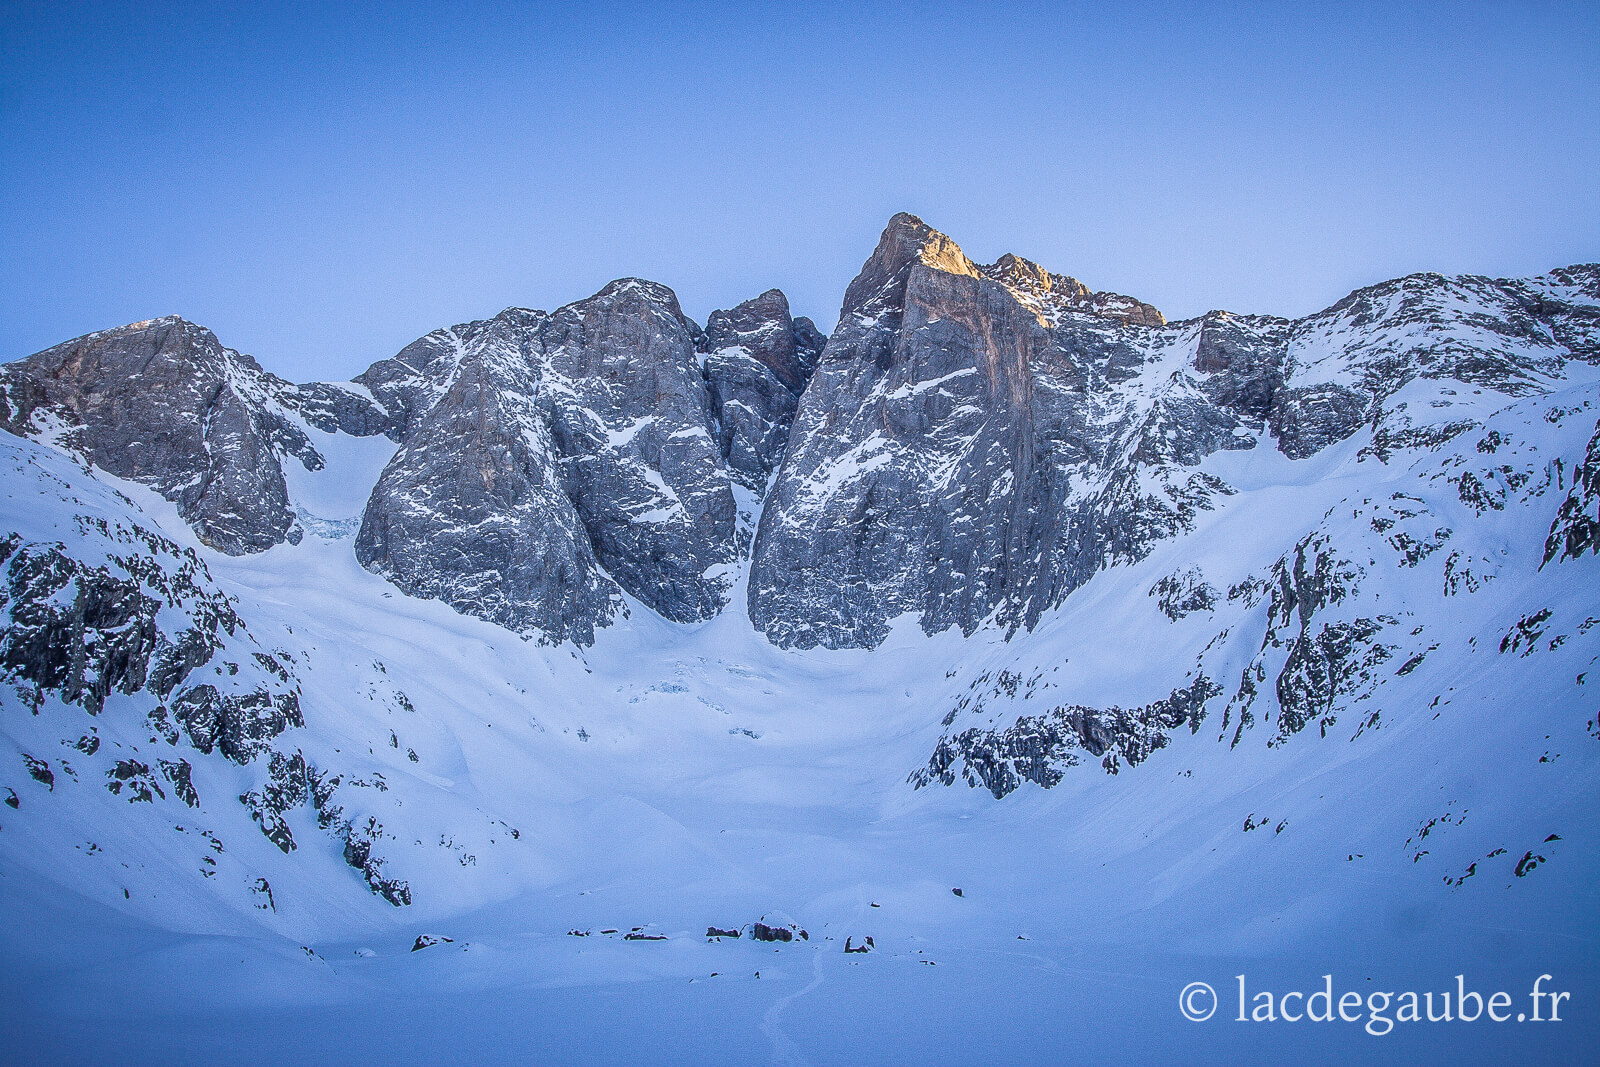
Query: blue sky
{"type": "Point", "coordinates": [320, 184]}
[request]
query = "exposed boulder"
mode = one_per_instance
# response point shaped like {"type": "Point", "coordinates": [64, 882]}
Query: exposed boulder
{"type": "Point", "coordinates": [429, 940]}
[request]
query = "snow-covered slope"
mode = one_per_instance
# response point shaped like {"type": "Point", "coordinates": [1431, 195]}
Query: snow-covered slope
{"type": "Point", "coordinates": [1340, 720]}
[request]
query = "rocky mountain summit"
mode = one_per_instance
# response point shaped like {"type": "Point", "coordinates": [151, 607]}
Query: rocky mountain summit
{"type": "Point", "coordinates": [971, 444]}
{"type": "Point", "coordinates": [163, 403]}
{"type": "Point", "coordinates": [977, 441]}
{"type": "Point", "coordinates": [548, 462]}
{"type": "Point", "coordinates": [551, 462]}
{"type": "Point", "coordinates": [1256, 532]}
{"type": "Point", "coordinates": [757, 361]}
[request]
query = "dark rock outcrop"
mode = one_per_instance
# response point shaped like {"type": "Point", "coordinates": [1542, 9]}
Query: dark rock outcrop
{"type": "Point", "coordinates": [1182, 593]}
{"type": "Point", "coordinates": [293, 781]}
{"type": "Point", "coordinates": [239, 725]}
{"type": "Point", "coordinates": [80, 631]}
{"type": "Point", "coordinates": [429, 940]}
{"type": "Point", "coordinates": [1040, 748]}
{"type": "Point", "coordinates": [137, 778]}
{"type": "Point", "coordinates": [178, 773]}
{"type": "Point", "coordinates": [1242, 358]}
{"type": "Point", "coordinates": [343, 408]}
{"type": "Point", "coordinates": [39, 770]}
{"type": "Point", "coordinates": [359, 841]}
{"type": "Point", "coordinates": [1576, 529]}
{"type": "Point", "coordinates": [1325, 657]}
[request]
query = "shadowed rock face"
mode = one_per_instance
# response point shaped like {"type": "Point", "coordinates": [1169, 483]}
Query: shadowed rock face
{"type": "Point", "coordinates": [471, 508]}
{"type": "Point", "coordinates": [548, 462]}
{"type": "Point", "coordinates": [631, 422]}
{"type": "Point", "coordinates": [786, 346]}
{"type": "Point", "coordinates": [977, 441]}
{"type": "Point", "coordinates": [911, 481]}
{"type": "Point", "coordinates": [1242, 358]}
{"type": "Point", "coordinates": [551, 461]}
{"type": "Point", "coordinates": [971, 444]}
{"type": "Point", "coordinates": [164, 404]}
{"type": "Point", "coordinates": [757, 362]}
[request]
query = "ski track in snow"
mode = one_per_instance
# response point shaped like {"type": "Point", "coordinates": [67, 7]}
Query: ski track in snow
{"type": "Point", "coordinates": [785, 1053]}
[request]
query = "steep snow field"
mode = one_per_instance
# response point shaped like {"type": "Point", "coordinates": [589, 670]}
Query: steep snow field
{"type": "Point", "coordinates": [677, 777]}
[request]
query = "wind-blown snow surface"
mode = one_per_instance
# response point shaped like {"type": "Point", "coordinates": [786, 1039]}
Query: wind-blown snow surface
{"type": "Point", "coordinates": [675, 777]}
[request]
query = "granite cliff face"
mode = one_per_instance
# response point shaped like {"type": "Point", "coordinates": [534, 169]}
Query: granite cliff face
{"type": "Point", "coordinates": [549, 462]}
{"type": "Point", "coordinates": [164, 403]}
{"type": "Point", "coordinates": [978, 441]}
{"type": "Point", "coordinates": [912, 481]}
{"type": "Point", "coordinates": [471, 508]}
